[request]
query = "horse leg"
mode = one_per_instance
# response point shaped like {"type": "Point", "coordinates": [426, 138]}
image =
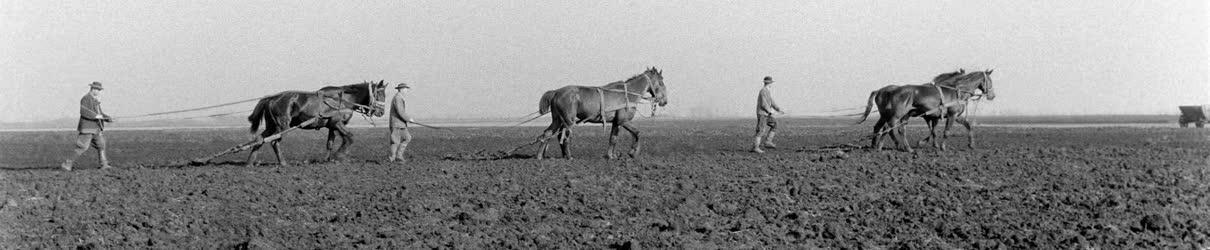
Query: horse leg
{"type": "Point", "coordinates": [970, 133]}
{"type": "Point", "coordinates": [931, 125]}
{"type": "Point", "coordinates": [331, 139]}
{"type": "Point", "coordinates": [899, 136]}
{"type": "Point", "coordinates": [544, 139]}
{"type": "Point", "coordinates": [613, 141]}
{"type": "Point", "coordinates": [903, 132]}
{"type": "Point", "coordinates": [637, 146]}
{"type": "Point", "coordinates": [277, 150]}
{"type": "Point", "coordinates": [876, 139]}
{"type": "Point", "coordinates": [933, 134]}
{"type": "Point", "coordinates": [346, 139]}
{"type": "Point", "coordinates": [551, 131]}
{"type": "Point", "coordinates": [252, 156]}
{"type": "Point", "coordinates": [269, 130]}
{"type": "Point", "coordinates": [949, 122]}
{"type": "Point", "coordinates": [565, 142]}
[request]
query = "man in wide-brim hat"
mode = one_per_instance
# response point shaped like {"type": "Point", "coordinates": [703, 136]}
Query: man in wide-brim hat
{"type": "Point", "coordinates": [766, 126]}
{"type": "Point", "coordinates": [90, 128]}
{"type": "Point", "coordinates": [400, 136]}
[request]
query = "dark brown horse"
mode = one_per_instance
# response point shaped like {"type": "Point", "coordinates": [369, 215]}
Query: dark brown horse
{"type": "Point", "coordinates": [879, 95]}
{"type": "Point", "coordinates": [940, 99]}
{"type": "Point", "coordinates": [615, 103]}
{"type": "Point", "coordinates": [333, 105]}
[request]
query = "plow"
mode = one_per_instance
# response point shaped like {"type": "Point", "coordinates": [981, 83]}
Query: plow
{"type": "Point", "coordinates": [243, 147]}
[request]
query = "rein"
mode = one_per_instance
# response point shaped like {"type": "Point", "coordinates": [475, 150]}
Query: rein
{"type": "Point", "coordinates": [973, 94]}
{"type": "Point", "coordinates": [626, 91]}
{"type": "Point", "coordinates": [963, 100]}
{"type": "Point", "coordinates": [641, 96]}
{"type": "Point", "coordinates": [364, 110]}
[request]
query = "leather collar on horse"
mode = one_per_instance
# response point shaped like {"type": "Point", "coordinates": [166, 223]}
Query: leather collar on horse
{"type": "Point", "coordinates": [625, 90]}
{"type": "Point", "coordinates": [336, 101]}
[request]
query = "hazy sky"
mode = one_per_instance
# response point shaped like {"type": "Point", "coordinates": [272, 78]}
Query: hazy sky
{"type": "Point", "coordinates": [495, 58]}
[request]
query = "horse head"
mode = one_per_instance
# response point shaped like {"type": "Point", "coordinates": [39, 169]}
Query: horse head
{"type": "Point", "coordinates": [986, 85]}
{"type": "Point", "coordinates": [657, 88]}
{"type": "Point", "coordinates": [371, 94]}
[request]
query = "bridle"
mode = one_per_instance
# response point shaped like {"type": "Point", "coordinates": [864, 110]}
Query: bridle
{"type": "Point", "coordinates": [363, 109]}
{"type": "Point", "coordinates": [626, 90]}
{"type": "Point", "coordinates": [986, 79]}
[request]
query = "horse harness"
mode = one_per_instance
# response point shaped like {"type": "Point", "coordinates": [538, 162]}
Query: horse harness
{"type": "Point", "coordinates": [359, 108]}
{"type": "Point", "coordinates": [961, 100]}
{"type": "Point", "coordinates": [626, 91]}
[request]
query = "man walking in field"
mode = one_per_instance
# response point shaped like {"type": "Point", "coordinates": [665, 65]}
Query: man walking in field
{"type": "Point", "coordinates": [765, 106]}
{"type": "Point", "coordinates": [90, 128]}
{"type": "Point", "coordinates": [399, 125]}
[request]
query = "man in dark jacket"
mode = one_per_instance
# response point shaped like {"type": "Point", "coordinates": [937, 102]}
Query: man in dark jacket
{"type": "Point", "coordinates": [91, 127]}
{"type": "Point", "coordinates": [399, 124]}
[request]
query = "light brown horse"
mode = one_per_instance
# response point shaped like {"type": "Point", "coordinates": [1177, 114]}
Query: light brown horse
{"type": "Point", "coordinates": [333, 105]}
{"type": "Point", "coordinates": [615, 103]}
{"type": "Point", "coordinates": [957, 111]}
{"type": "Point", "coordinates": [932, 102]}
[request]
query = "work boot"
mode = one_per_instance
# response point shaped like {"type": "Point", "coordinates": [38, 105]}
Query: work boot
{"type": "Point", "coordinates": [769, 141]}
{"type": "Point", "coordinates": [104, 160]}
{"type": "Point", "coordinates": [66, 166]}
{"type": "Point", "coordinates": [756, 146]}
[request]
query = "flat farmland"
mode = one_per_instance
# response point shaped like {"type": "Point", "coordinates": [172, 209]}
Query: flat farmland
{"type": "Point", "coordinates": [694, 186]}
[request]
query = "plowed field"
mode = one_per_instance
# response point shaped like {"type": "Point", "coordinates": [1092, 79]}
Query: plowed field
{"type": "Point", "coordinates": [693, 187]}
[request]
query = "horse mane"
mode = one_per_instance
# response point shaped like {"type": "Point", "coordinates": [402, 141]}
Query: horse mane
{"type": "Point", "coordinates": [618, 84]}
{"type": "Point", "coordinates": [348, 88]}
{"type": "Point", "coordinates": [968, 77]}
{"type": "Point", "coordinates": [946, 77]}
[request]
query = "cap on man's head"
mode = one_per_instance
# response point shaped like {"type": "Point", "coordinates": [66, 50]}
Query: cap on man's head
{"type": "Point", "coordinates": [768, 79]}
{"type": "Point", "coordinates": [95, 85]}
{"type": "Point", "coordinates": [402, 86]}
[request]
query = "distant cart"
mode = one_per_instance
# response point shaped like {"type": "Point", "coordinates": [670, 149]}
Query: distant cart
{"type": "Point", "coordinates": [1194, 114]}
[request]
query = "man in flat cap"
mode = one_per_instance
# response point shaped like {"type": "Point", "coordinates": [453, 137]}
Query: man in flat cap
{"type": "Point", "coordinates": [90, 128]}
{"type": "Point", "coordinates": [399, 124]}
{"type": "Point", "coordinates": [765, 106]}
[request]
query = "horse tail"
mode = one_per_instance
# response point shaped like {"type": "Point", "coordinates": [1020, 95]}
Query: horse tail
{"type": "Point", "coordinates": [544, 103]}
{"type": "Point", "coordinates": [258, 114]}
{"type": "Point", "coordinates": [869, 104]}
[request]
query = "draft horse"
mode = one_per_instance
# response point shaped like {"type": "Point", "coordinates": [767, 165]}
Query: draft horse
{"type": "Point", "coordinates": [614, 103]}
{"type": "Point", "coordinates": [332, 105]}
{"type": "Point", "coordinates": [946, 97]}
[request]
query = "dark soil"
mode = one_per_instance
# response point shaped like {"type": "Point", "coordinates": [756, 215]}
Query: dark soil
{"type": "Point", "coordinates": [693, 187]}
